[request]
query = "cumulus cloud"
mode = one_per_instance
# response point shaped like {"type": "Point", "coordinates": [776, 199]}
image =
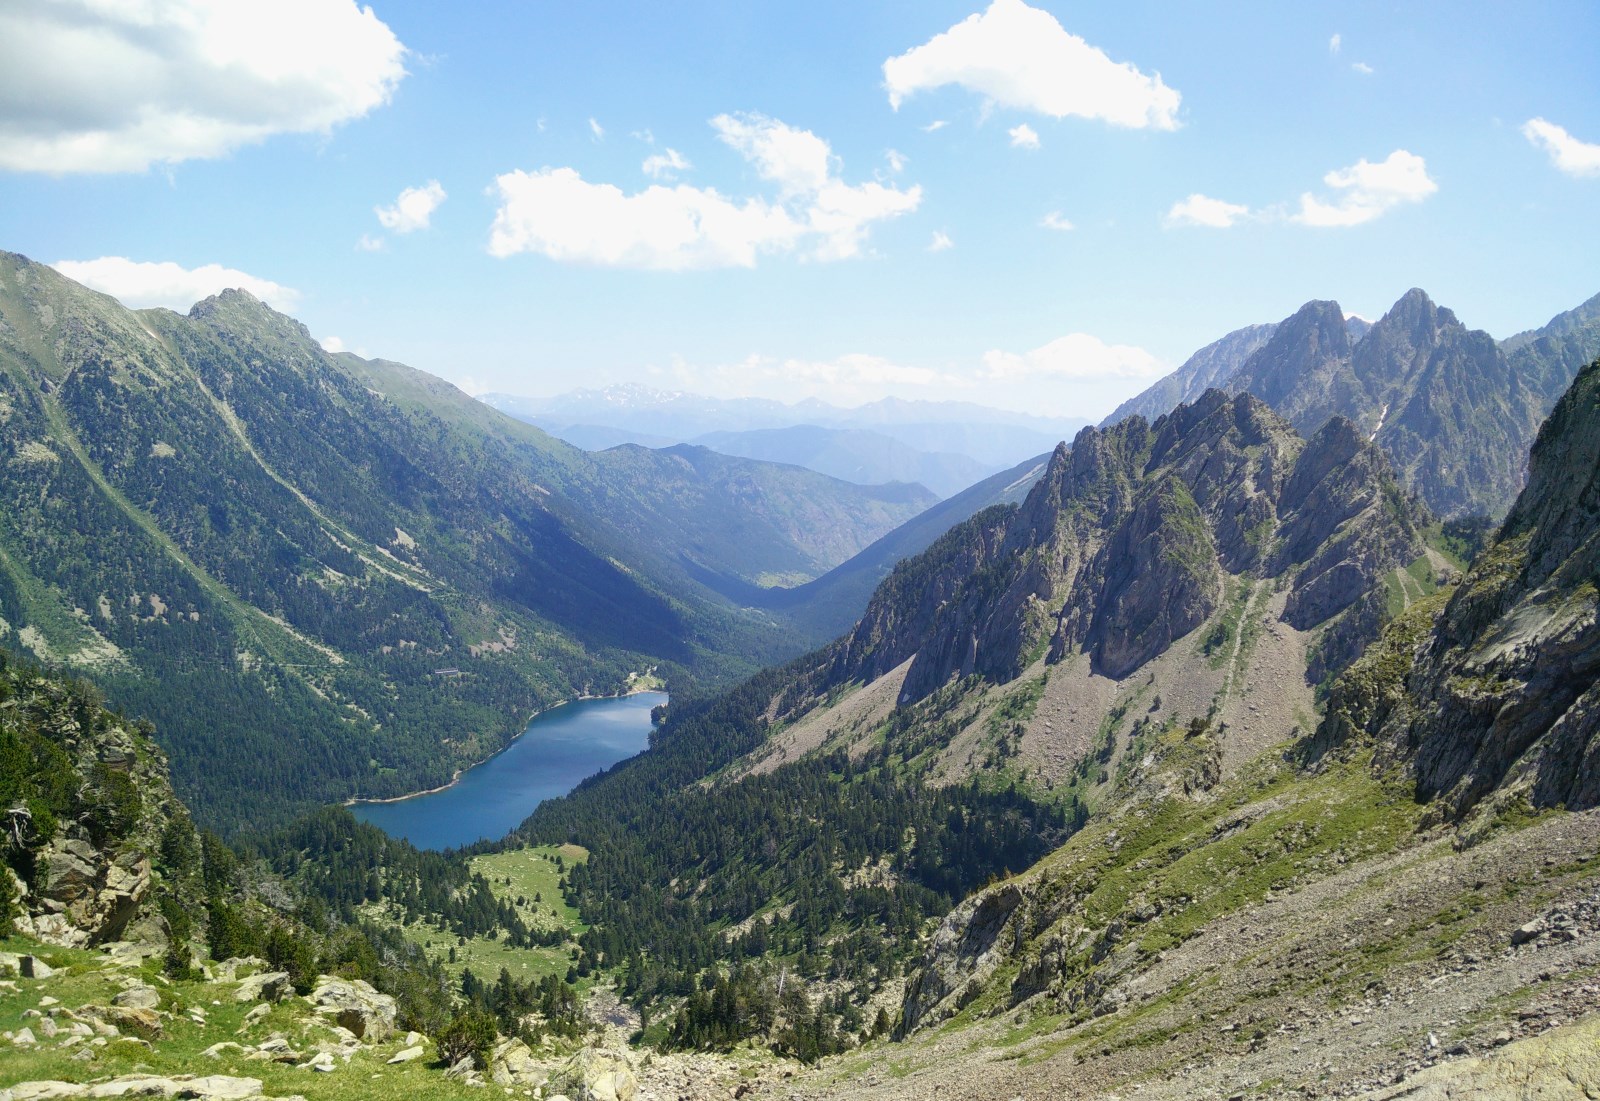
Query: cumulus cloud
{"type": "Point", "coordinates": [412, 210]}
{"type": "Point", "coordinates": [1567, 153]}
{"type": "Point", "coordinates": [596, 129]}
{"type": "Point", "coordinates": [1335, 43]}
{"type": "Point", "coordinates": [141, 285]}
{"type": "Point", "coordinates": [556, 213]}
{"type": "Point", "coordinates": [97, 86]}
{"type": "Point", "coordinates": [1076, 356]}
{"type": "Point", "coordinates": [1366, 191]}
{"type": "Point", "coordinates": [941, 241]}
{"type": "Point", "coordinates": [1362, 67]}
{"type": "Point", "coordinates": [897, 161]}
{"type": "Point", "coordinates": [1024, 136]}
{"type": "Point", "coordinates": [1018, 56]}
{"type": "Point", "coordinates": [935, 126]}
{"type": "Point", "coordinates": [1202, 210]}
{"type": "Point", "coordinates": [1057, 221]}
{"type": "Point", "coordinates": [1362, 192]}
{"type": "Point", "coordinates": [795, 160]}
{"type": "Point", "coordinates": [332, 345]}
{"type": "Point", "coordinates": [369, 243]}
{"type": "Point", "coordinates": [665, 165]}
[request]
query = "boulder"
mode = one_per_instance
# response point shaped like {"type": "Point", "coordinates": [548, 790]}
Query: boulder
{"type": "Point", "coordinates": [236, 967]}
{"type": "Point", "coordinates": [138, 997]}
{"type": "Point", "coordinates": [322, 1062]}
{"type": "Point", "coordinates": [355, 1005]}
{"type": "Point", "coordinates": [32, 967]}
{"type": "Point", "coordinates": [270, 986]}
{"type": "Point", "coordinates": [407, 1054]}
{"type": "Point", "coordinates": [511, 1063]}
{"type": "Point", "coordinates": [594, 1074]}
{"type": "Point", "coordinates": [144, 1022]}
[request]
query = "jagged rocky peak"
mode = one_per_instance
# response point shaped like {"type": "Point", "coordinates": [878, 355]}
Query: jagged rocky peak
{"type": "Point", "coordinates": [1306, 349]}
{"type": "Point", "coordinates": [1128, 541]}
{"type": "Point", "coordinates": [1495, 699]}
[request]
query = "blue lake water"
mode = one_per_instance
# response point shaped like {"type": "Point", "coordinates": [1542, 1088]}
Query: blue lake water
{"type": "Point", "coordinates": [559, 748]}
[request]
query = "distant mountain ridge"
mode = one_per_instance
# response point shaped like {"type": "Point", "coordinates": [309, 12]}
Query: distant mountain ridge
{"type": "Point", "coordinates": [946, 446]}
{"type": "Point", "coordinates": [1454, 410]}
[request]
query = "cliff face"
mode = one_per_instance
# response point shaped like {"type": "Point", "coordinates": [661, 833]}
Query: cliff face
{"type": "Point", "coordinates": [93, 829]}
{"type": "Point", "coordinates": [1129, 541]}
{"type": "Point", "coordinates": [1500, 693]}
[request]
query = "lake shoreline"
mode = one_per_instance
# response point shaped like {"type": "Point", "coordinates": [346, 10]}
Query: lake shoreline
{"type": "Point", "coordinates": [455, 777]}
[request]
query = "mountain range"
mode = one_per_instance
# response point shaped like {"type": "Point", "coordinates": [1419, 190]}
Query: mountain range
{"type": "Point", "coordinates": [1454, 410]}
{"type": "Point", "coordinates": [946, 446]}
{"type": "Point", "coordinates": [211, 515]}
{"type": "Point", "coordinates": [1204, 755]}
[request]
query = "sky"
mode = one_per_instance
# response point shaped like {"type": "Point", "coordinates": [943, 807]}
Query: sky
{"type": "Point", "coordinates": [1037, 206]}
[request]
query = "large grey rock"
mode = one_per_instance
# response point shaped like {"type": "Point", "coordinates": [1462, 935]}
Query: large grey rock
{"type": "Point", "coordinates": [355, 1005]}
{"type": "Point", "coordinates": [138, 997]}
{"type": "Point", "coordinates": [271, 986]}
{"type": "Point", "coordinates": [511, 1063]}
{"type": "Point", "coordinates": [596, 1074]}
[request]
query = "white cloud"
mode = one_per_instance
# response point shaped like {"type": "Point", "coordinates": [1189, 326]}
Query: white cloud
{"type": "Point", "coordinates": [1074, 356]}
{"type": "Point", "coordinates": [1363, 192]}
{"type": "Point", "coordinates": [143, 285]}
{"type": "Point", "coordinates": [665, 165]}
{"type": "Point", "coordinates": [934, 126]}
{"type": "Point", "coordinates": [1057, 221]}
{"type": "Point", "coordinates": [103, 86]}
{"type": "Point", "coordinates": [845, 380]}
{"type": "Point", "coordinates": [556, 213]}
{"type": "Point", "coordinates": [596, 129]}
{"type": "Point", "coordinates": [941, 241]}
{"type": "Point", "coordinates": [1018, 56]}
{"type": "Point", "coordinates": [1202, 210]}
{"type": "Point", "coordinates": [1024, 136]}
{"type": "Point", "coordinates": [897, 161]}
{"type": "Point", "coordinates": [369, 243]}
{"type": "Point", "coordinates": [1567, 153]}
{"type": "Point", "coordinates": [795, 160]}
{"type": "Point", "coordinates": [412, 210]}
{"type": "Point", "coordinates": [1362, 67]}
{"type": "Point", "coordinates": [1334, 43]}
{"type": "Point", "coordinates": [1366, 191]}
{"type": "Point", "coordinates": [332, 345]}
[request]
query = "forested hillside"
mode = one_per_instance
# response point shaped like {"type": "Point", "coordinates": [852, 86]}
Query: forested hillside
{"type": "Point", "coordinates": [324, 577]}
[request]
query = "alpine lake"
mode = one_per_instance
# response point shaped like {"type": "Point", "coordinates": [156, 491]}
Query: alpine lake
{"type": "Point", "coordinates": [559, 749]}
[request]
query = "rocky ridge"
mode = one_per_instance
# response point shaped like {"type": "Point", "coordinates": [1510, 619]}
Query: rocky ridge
{"type": "Point", "coordinates": [1454, 411]}
{"type": "Point", "coordinates": [1130, 541]}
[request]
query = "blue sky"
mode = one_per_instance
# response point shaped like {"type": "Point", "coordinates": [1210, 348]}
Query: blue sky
{"type": "Point", "coordinates": [1038, 206]}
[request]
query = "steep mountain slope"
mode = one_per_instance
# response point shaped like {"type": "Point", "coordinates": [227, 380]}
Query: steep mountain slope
{"type": "Point", "coordinates": [1441, 400]}
{"type": "Point", "coordinates": [1500, 696]}
{"type": "Point", "coordinates": [1210, 367]}
{"type": "Point", "coordinates": [1401, 904]}
{"type": "Point", "coordinates": [1454, 411]}
{"type": "Point", "coordinates": [1136, 536]}
{"type": "Point", "coordinates": [223, 524]}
